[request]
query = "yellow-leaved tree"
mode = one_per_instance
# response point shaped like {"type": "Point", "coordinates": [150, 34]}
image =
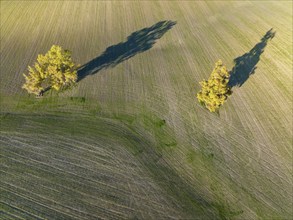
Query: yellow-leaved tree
{"type": "Point", "coordinates": [54, 70]}
{"type": "Point", "coordinates": [215, 90]}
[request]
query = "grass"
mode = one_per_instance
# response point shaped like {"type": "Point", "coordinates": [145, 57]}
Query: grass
{"type": "Point", "coordinates": [130, 141]}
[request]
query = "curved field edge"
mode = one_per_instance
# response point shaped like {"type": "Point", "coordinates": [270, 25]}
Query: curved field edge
{"type": "Point", "coordinates": [118, 167]}
{"type": "Point", "coordinates": [79, 167]}
{"type": "Point", "coordinates": [131, 141]}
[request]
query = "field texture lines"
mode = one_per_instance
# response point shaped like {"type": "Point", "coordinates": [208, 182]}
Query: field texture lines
{"type": "Point", "coordinates": [130, 141]}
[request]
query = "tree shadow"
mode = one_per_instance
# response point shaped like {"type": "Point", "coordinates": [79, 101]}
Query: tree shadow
{"type": "Point", "coordinates": [137, 42]}
{"type": "Point", "coordinates": [245, 65]}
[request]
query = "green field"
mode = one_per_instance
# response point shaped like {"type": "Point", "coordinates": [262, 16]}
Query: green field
{"type": "Point", "coordinates": [130, 141]}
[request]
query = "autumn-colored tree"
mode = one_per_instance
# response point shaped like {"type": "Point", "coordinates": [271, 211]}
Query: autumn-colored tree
{"type": "Point", "coordinates": [215, 90]}
{"type": "Point", "coordinates": [54, 70]}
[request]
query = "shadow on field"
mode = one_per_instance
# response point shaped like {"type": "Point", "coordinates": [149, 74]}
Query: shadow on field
{"type": "Point", "coordinates": [137, 42]}
{"type": "Point", "coordinates": [188, 198]}
{"type": "Point", "coordinates": [245, 65]}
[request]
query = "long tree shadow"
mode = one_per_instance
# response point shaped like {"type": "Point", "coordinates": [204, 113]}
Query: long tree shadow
{"type": "Point", "coordinates": [137, 42]}
{"type": "Point", "coordinates": [245, 65]}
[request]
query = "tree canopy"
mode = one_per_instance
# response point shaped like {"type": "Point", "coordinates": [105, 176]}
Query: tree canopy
{"type": "Point", "coordinates": [54, 70]}
{"type": "Point", "coordinates": [215, 90]}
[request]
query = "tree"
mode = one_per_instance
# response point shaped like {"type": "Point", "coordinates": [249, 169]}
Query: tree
{"type": "Point", "coordinates": [54, 70]}
{"type": "Point", "coordinates": [215, 90]}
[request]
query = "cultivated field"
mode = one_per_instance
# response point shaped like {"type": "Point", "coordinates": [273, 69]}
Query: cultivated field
{"type": "Point", "coordinates": [130, 141]}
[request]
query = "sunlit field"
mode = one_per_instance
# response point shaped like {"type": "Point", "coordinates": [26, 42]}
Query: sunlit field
{"type": "Point", "coordinates": [130, 140]}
